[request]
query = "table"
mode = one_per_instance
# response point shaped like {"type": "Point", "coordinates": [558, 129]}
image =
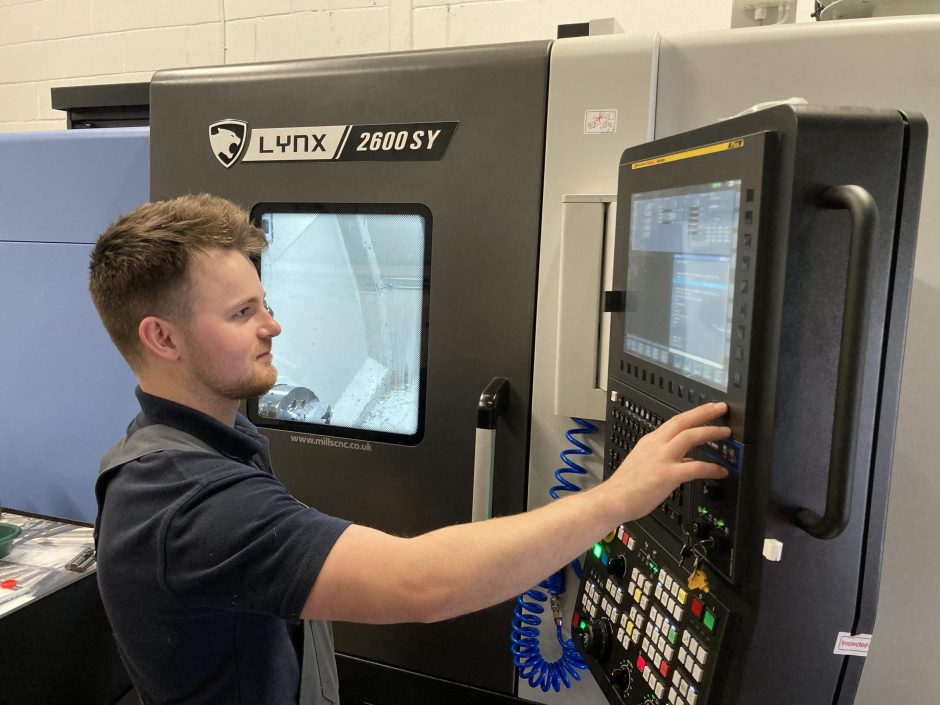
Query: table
{"type": "Point", "coordinates": [57, 643]}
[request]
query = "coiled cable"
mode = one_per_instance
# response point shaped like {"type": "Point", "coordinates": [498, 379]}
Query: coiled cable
{"type": "Point", "coordinates": [585, 428]}
{"type": "Point", "coordinates": [526, 650]}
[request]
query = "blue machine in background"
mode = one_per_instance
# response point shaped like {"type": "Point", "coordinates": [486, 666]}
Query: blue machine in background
{"type": "Point", "coordinates": [66, 393]}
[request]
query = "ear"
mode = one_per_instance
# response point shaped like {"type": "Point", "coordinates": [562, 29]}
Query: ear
{"type": "Point", "coordinates": [159, 337]}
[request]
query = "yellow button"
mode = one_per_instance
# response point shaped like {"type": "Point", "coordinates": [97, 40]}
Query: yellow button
{"type": "Point", "coordinates": [630, 628]}
{"type": "Point", "coordinates": [682, 596]}
{"type": "Point", "coordinates": [637, 594]}
{"type": "Point", "coordinates": [610, 536]}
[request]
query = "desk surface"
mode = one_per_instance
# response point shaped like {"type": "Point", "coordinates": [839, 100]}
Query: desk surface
{"type": "Point", "coordinates": [38, 557]}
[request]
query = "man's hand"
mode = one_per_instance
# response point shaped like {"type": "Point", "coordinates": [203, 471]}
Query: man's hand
{"type": "Point", "coordinates": [657, 465]}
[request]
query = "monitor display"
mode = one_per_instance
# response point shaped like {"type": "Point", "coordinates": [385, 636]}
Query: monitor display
{"type": "Point", "coordinates": [680, 279]}
{"type": "Point", "coordinates": [348, 286]}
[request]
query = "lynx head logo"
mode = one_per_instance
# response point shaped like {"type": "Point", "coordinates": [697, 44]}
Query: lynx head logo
{"type": "Point", "coordinates": [227, 139]}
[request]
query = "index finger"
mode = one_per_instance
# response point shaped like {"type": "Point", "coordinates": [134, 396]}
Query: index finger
{"type": "Point", "coordinates": [698, 416]}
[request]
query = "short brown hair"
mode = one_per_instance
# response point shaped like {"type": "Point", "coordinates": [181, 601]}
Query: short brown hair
{"type": "Point", "coordinates": [139, 264]}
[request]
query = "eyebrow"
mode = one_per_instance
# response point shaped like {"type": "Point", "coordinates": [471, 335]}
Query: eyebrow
{"type": "Point", "coordinates": [250, 300]}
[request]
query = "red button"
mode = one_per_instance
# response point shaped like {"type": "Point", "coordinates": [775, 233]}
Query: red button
{"type": "Point", "coordinates": [664, 669]}
{"type": "Point", "coordinates": [8, 584]}
{"type": "Point", "coordinates": [641, 663]}
{"type": "Point", "coordinates": [575, 619]}
{"type": "Point", "coordinates": [697, 608]}
{"type": "Point", "coordinates": [625, 538]}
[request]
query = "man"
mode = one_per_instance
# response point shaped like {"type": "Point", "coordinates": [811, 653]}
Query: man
{"type": "Point", "coordinates": [206, 564]}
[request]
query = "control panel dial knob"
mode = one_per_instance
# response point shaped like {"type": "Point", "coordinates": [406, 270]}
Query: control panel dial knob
{"type": "Point", "coordinates": [595, 640]}
{"type": "Point", "coordinates": [620, 679]}
{"type": "Point", "coordinates": [617, 566]}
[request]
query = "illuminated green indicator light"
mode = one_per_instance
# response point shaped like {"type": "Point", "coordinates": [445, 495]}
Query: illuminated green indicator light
{"type": "Point", "coordinates": [654, 567]}
{"type": "Point", "coordinates": [583, 624]}
{"type": "Point", "coordinates": [720, 523]}
{"type": "Point", "coordinates": [672, 635]}
{"type": "Point", "coordinates": [709, 620]}
{"type": "Point", "coordinates": [702, 511]}
{"type": "Point", "coordinates": [598, 550]}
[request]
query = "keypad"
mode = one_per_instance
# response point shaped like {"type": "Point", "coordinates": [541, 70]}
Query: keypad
{"type": "Point", "coordinates": [629, 422]}
{"type": "Point", "coordinates": [669, 632]}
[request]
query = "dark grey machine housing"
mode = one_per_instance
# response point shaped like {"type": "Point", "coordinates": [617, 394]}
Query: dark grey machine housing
{"type": "Point", "coordinates": [484, 199]}
{"type": "Point", "coordinates": [829, 226]}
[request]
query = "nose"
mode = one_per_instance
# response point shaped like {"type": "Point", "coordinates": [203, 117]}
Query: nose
{"type": "Point", "coordinates": [271, 328]}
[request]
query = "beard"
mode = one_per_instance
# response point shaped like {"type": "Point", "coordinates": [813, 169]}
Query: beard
{"type": "Point", "coordinates": [258, 382]}
{"type": "Point", "coordinates": [254, 386]}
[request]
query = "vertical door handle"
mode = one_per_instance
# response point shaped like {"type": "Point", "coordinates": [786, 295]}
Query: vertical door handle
{"type": "Point", "coordinates": [864, 213]}
{"type": "Point", "coordinates": [493, 401]}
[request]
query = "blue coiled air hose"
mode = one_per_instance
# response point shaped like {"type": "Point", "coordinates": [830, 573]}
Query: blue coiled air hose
{"type": "Point", "coordinates": [526, 651]}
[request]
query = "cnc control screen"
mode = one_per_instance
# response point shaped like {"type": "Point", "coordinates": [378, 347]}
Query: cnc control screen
{"type": "Point", "coordinates": [680, 279]}
{"type": "Point", "coordinates": [348, 288]}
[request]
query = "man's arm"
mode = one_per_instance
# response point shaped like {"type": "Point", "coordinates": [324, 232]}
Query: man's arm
{"type": "Point", "coordinates": [376, 578]}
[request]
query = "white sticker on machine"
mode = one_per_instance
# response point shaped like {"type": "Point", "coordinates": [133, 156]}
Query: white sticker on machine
{"type": "Point", "coordinates": [600, 122]}
{"type": "Point", "coordinates": [852, 644]}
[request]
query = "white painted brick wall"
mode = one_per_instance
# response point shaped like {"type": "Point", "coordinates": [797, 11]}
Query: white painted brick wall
{"type": "Point", "coordinates": [118, 15]}
{"type": "Point", "coordinates": [46, 43]}
{"type": "Point", "coordinates": [156, 48]}
{"type": "Point", "coordinates": [243, 9]}
{"type": "Point", "coordinates": [56, 19]}
{"type": "Point", "coordinates": [18, 24]}
{"type": "Point", "coordinates": [171, 13]}
{"type": "Point", "coordinates": [291, 36]}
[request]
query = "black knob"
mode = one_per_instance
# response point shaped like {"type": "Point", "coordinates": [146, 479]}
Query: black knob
{"type": "Point", "coordinates": [596, 638]}
{"type": "Point", "coordinates": [620, 679]}
{"type": "Point", "coordinates": [617, 566]}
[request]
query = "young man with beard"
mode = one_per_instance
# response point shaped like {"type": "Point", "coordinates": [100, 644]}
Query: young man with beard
{"type": "Point", "coordinates": [206, 564]}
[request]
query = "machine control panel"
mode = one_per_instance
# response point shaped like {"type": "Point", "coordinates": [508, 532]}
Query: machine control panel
{"type": "Point", "coordinates": [651, 636]}
{"type": "Point", "coordinates": [651, 618]}
{"type": "Point", "coordinates": [744, 271]}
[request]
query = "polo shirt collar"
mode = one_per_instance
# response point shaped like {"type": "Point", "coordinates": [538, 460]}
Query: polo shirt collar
{"type": "Point", "coordinates": [243, 441]}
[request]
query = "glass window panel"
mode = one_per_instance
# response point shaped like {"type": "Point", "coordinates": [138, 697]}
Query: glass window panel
{"type": "Point", "coordinates": [348, 285]}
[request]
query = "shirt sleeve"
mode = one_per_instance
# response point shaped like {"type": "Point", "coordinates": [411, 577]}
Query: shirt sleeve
{"type": "Point", "coordinates": [242, 542]}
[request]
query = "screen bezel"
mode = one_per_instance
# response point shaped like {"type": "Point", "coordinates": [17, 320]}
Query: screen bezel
{"type": "Point", "coordinates": [746, 163]}
{"type": "Point", "coordinates": [346, 432]}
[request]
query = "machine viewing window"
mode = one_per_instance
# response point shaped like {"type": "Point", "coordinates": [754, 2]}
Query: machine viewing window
{"type": "Point", "coordinates": [680, 279]}
{"type": "Point", "coordinates": [348, 284]}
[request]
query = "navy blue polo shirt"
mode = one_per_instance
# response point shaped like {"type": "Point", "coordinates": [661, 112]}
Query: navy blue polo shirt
{"type": "Point", "coordinates": [204, 564]}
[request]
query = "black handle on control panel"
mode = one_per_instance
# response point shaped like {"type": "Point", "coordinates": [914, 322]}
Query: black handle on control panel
{"type": "Point", "coordinates": [864, 213]}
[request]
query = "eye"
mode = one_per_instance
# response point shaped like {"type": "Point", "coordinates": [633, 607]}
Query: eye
{"type": "Point", "coordinates": [264, 302]}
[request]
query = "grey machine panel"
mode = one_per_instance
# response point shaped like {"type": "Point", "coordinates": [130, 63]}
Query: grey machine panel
{"type": "Point", "coordinates": [58, 192]}
{"type": "Point", "coordinates": [483, 195]}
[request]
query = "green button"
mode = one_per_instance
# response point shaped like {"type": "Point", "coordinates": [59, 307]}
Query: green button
{"type": "Point", "coordinates": [709, 620]}
{"type": "Point", "coordinates": [672, 635]}
{"type": "Point", "coordinates": [598, 550]}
